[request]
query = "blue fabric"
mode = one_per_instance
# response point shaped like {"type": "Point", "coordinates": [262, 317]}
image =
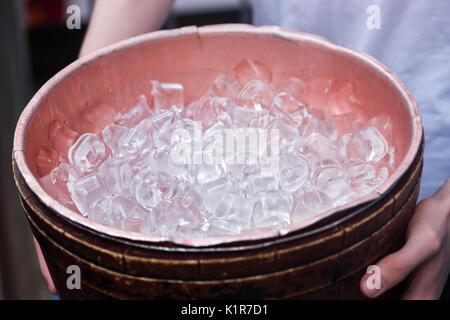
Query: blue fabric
{"type": "Point", "coordinates": [413, 41]}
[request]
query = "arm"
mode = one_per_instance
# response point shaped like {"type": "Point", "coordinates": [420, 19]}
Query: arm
{"type": "Point", "coordinates": [425, 257]}
{"type": "Point", "coordinates": [113, 21]}
{"type": "Point", "coordinates": [116, 20]}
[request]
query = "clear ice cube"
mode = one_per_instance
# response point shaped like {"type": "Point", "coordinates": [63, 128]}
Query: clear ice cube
{"type": "Point", "coordinates": [133, 143]}
{"type": "Point", "coordinates": [256, 95]}
{"type": "Point", "coordinates": [324, 171]}
{"type": "Point", "coordinates": [132, 117]}
{"type": "Point", "coordinates": [87, 191]}
{"type": "Point", "coordinates": [272, 209]}
{"type": "Point", "coordinates": [225, 86]}
{"type": "Point", "coordinates": [293, 172]}
{"type": "Point", "coordinates": [310, 204]}
{"type": "Point", "coordinates": [88, 153]}
{"type": "Point", "coordinates": [150, 187]}
{"type": "Point", "coordinates": [368, 144]}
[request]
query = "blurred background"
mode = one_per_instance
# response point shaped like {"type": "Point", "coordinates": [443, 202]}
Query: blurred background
{"type": "Point", "coordinates": [35, 45]}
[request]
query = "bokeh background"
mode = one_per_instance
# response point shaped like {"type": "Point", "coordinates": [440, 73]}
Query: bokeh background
{"type": "Point", "coordinates": [35, 44]}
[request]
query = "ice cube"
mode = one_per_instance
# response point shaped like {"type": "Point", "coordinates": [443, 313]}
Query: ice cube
{"type": "Point", "coordinates": [243, 117]}
{"type": "Point", "coordinates": [116, 175]}
{"type": "Point", "coordinates": [225, 86]}
{"type": "Point", "coordinates": [161, 160]}
{"type": "Point", "coordinates": [285, 103]}
{"type": "Point", "coordinates": [150, 187]}
{"type": "Point", "coordinates": [55, 185]}
{"type": "Point", "coordinates": [359, 171]}
{"type": "Point", "coordinates": [312, 125]}
{"type": "Point", "coordinates": [100, 212]}
{"type": "Point", "coordinates": [272, 209]}
{"type": "Point", "coordinates": [205, 173]}
{"type": "Point", "coordinates": [124, 206]}
{"type": "Point", "coordinates": [193, 110]}
{"type": "Point", "coordinates": [260, 183]}
{"type": "Point", "coordinates": [132, 117]}
{"type": "Point", "coordinates": [184, 214]}
{"type": "Point", "coordinates": [256, 95]}
{"type": "Point", "coordinates": [133, 143]}
{"type": "Point", "coordinates": [215, 190]}
{"type": "Point", "coordinates": [293, 173]}
{"type": "Point", "coordinates": [288, 134]}
{"type": "Point", "coordinates": [368, 144]}
{"type": "Point", "coordinates": [158, 216]}
{"type": "Point", "coordinates": [318, 147]}
{"type": "Point", "coordinates": [133, 225]}
{"type": "Point", "coordinates": [324, 171]}
{"type": "Point", "coordinates": [87, 191]}
{"type": "Point", "coordinates": [309, 205]}
{"type": "Point", "coordinates": [384, 125]}
{"type": "Point", "coordinates": [222, 226]}
{"type": "Point", "coordinates": [236, 210]}
{"type": "Point", "coordinates": [340, 191]}
{"type": "Point", "coordinates": [349, 122]}
{"type": "Point", "coordinates": [213, 107]}
{"type": "Point", "coordinates": [162, 119]}
{"type": "Point", "coordinates": [249, 69]}
{"type": "Point", "coordinates": [88, 153]}
{"type": "Point", "coordinates": [111, 136]}
{"type": "Point", "coordinates": [363, 176]}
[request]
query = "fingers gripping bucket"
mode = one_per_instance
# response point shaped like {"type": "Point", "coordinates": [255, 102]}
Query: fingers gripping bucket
{"type": "Point", "coordinates": [324, 258]}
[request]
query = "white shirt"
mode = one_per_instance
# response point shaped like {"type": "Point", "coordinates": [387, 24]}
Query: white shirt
{"type": "Point", "coordinates": [413, 41]}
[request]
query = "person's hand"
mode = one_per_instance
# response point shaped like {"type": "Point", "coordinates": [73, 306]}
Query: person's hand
{"type": "Point", "coordinates": [425, 257]}
{"type": "Point", "coordinates": [44, 268]}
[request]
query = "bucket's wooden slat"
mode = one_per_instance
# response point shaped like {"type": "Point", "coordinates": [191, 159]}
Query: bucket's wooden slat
{"type": "Point", "coordinates": [408, 181]}
{"type": "Point", "coordinates": [109, 256]}
{"type": "Point", "coordinates": [184, 266]}
{"type": "Point", "coordinates": [283, 284]}
{"type": "Point", "coordinates": [301, 252]}
{"type": "Point", "coordinates": [361, 226]}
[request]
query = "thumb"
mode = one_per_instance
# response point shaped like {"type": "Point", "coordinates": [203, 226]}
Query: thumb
{"type": "Point", "coordinates": [395, 267]}
{"type": "Point", "coordinates": [44, 269]}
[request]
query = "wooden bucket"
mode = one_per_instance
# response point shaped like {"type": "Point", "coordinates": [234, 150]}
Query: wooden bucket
{"type": "Point", "coordinates": [321, 260]}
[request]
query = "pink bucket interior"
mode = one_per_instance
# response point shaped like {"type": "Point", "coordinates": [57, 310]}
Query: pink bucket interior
{"type": "Point", "coordinates": [194, 57]}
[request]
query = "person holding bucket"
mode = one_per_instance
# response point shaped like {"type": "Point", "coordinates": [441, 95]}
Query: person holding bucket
{"type": "Point", "coordinates": [412, 38]}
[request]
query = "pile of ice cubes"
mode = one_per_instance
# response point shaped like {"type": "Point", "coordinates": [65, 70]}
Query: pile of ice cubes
{"type": "Point", "coordinates": [245, 157]}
